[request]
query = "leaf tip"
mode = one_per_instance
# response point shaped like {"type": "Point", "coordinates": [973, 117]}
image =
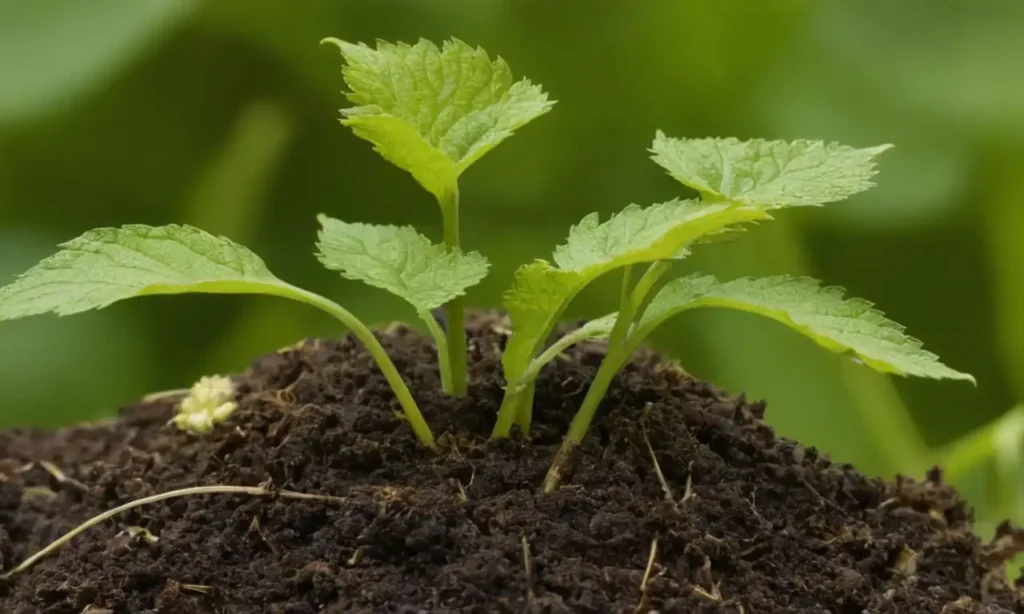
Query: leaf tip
{"type": "Point", "coordinates": [337, 42]}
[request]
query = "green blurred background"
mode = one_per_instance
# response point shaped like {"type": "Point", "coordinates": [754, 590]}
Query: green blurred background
{"type": "Point", "coordinates": [223, 114]}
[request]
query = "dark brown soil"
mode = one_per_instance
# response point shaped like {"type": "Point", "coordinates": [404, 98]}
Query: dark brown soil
{"type": "Point", "coordinates": [755, 524]}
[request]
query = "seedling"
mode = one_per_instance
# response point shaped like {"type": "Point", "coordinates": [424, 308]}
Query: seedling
{"type": "Point", "coordinates": [434, 112]}
{"type": "Point", "coordinates": [740, 182]}
{"type": "Point", "coordinates": [107, 265]}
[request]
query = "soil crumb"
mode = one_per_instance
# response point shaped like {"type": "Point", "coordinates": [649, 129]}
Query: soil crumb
{"type": "Point", "coordinates": [743, 521]}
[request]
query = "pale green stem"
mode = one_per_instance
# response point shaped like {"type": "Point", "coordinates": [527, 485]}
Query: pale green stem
{"type": "Point", "coordinates": [257, 491]}
{"type": "Point", "coordinates": [548, 355]}
{"type": "Point", "coordinates": [444, 365]}
{"type": "Point", "coordinates": [620, 348]}
{"type": "Point", "coordinates": [379, 354]}
{"type": "Point", "coordinates": [455, 310]}
{"type": "Point", "coordinates": [610, 365]}
{"type": "Point", "coordinates": [508, 412]}
{"type": "Point", "coordinates": [524, 409]}
{"type": "Point", "coordinates": [644, 288]}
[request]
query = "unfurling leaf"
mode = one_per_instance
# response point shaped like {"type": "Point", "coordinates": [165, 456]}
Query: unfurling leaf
{"type": "Point", "coordinates": [107, 265]}
{"type": "Point", "coordinates": [770, 174]}
{"type": "Point", "coordinates": [400, 260]}
{"type": "Point", "coordinates": [836, 323]}
{"type": "Point", "coordinates": [434, 111]}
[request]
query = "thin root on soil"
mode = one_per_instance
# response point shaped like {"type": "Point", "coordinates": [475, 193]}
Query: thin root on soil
{"type": "Point", "coordinates": [647, 576]}
{"type": "Point", "coordinates": [256, 491]}
{"type": "Point", "coordinates": [528, 566]}
{"type": "Point", "coordinates": [654, 458]}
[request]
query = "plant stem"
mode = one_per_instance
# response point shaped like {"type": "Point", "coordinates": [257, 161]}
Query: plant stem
{"type": "Point", "coordinates": [258, 491]}
{"type": "Point", "coordinates": [620, 348]}
{"type": "Point", "coordinates": [581, 421]}
{"type": "Point", "coordinates": [379, 354]}
{"type": "Point", "coordinates": [514, 403]}
{"type": "Point", "coordinates": [444, 365]}
{"type": "Point", "coordinates": [524, 408]}
{"type": "Point", "coordinates": [605, 374]}
{"type": "Point", "coordinates": [454, 310]}
{"type": "Point", "coordinates": [644, 288]}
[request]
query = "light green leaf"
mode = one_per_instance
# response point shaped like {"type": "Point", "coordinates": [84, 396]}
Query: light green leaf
{"type": "Point", "coordinates": [848, 326]}
{"type": "Point", "coordinates": [636, 235]}
{"type": "Point", "coordinates": [434, 111]}
{"type": "Point", "coordinates": [645, 234]}
{"type": "Point", "coordinates": [107, 265]}
{"type": "Point", "coordinates": [535, 303]}
{"type": "Point", "coordinates": [400, 260]}
{"type": "Point", "coordinates": [770, 174]}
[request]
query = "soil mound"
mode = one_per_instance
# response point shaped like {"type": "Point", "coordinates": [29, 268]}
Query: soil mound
{"type": "Point", "coordinates": [751, 522]}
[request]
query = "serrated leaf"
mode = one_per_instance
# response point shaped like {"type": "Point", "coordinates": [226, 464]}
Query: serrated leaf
{"type": "Point", "coordinates": [107, 265]}
{"type": "Point", "coordinates": [635, 235]}
{"type": "Point", "coordinates": [434, 111]}
{"type": "Point", "coordinates": [848, 326]}
{"type": "Point", "coordinates": [770, 174]}
{"type": "Point", "coordinates": [645, 234]}
{"type": "Point", "coordinates": [400, 260]}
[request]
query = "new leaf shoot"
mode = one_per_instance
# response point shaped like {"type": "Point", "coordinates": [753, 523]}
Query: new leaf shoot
{"type": "Point", "coordinates": [433, 111]}
{"type": "Point", "coordinates": [107, 265]}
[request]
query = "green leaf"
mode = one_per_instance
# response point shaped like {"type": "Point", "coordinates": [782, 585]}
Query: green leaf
{"type": "Point", "coordinates": [635, 235]}
{"type": "Point", "coordinates": [770, 174]}
{"type": "Point", "coordinates": [848, 326]}
{"type": "Point", "coordinates": [645, 234]}
{"type": "Point", "coordinates": [400, 260]}
{"type": "Point", "coordinates": [107, 265]}
{"type": "Point", "coordinates": [434, 111]}
{"type": "Point", "coordinates": [535, 303]}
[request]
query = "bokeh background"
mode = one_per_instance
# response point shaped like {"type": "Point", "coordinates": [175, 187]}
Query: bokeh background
{"type": "Point", "coordinates": [223, 114]}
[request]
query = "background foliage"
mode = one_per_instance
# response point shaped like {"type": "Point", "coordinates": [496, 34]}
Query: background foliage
{"type": "Point", "coordinates": [223, 114]}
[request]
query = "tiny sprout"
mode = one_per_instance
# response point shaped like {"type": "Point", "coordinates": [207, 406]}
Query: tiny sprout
{"type": "Point", "coordinates": [209, 402]}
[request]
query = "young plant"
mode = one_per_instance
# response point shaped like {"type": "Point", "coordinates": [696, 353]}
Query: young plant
{"type": "Point", "coordinates": [433, 112]}
{"type": "Point", "coordinates": [739, 182]}
{"type": "Point", "coordinates": [107, 265]}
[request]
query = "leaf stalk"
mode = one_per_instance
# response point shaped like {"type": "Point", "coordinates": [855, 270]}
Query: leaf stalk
{"type": "Point", "coordinates": [455, 309]}
{"type": "Point", "coordinates": [379, 354]}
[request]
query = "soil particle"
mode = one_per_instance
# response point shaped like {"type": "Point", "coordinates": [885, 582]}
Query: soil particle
{"type": "Point", "coordinates": [745, 522]}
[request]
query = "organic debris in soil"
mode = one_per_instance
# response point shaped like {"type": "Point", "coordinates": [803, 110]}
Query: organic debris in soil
{"type": "Point", "coordinates": [740, 521]}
